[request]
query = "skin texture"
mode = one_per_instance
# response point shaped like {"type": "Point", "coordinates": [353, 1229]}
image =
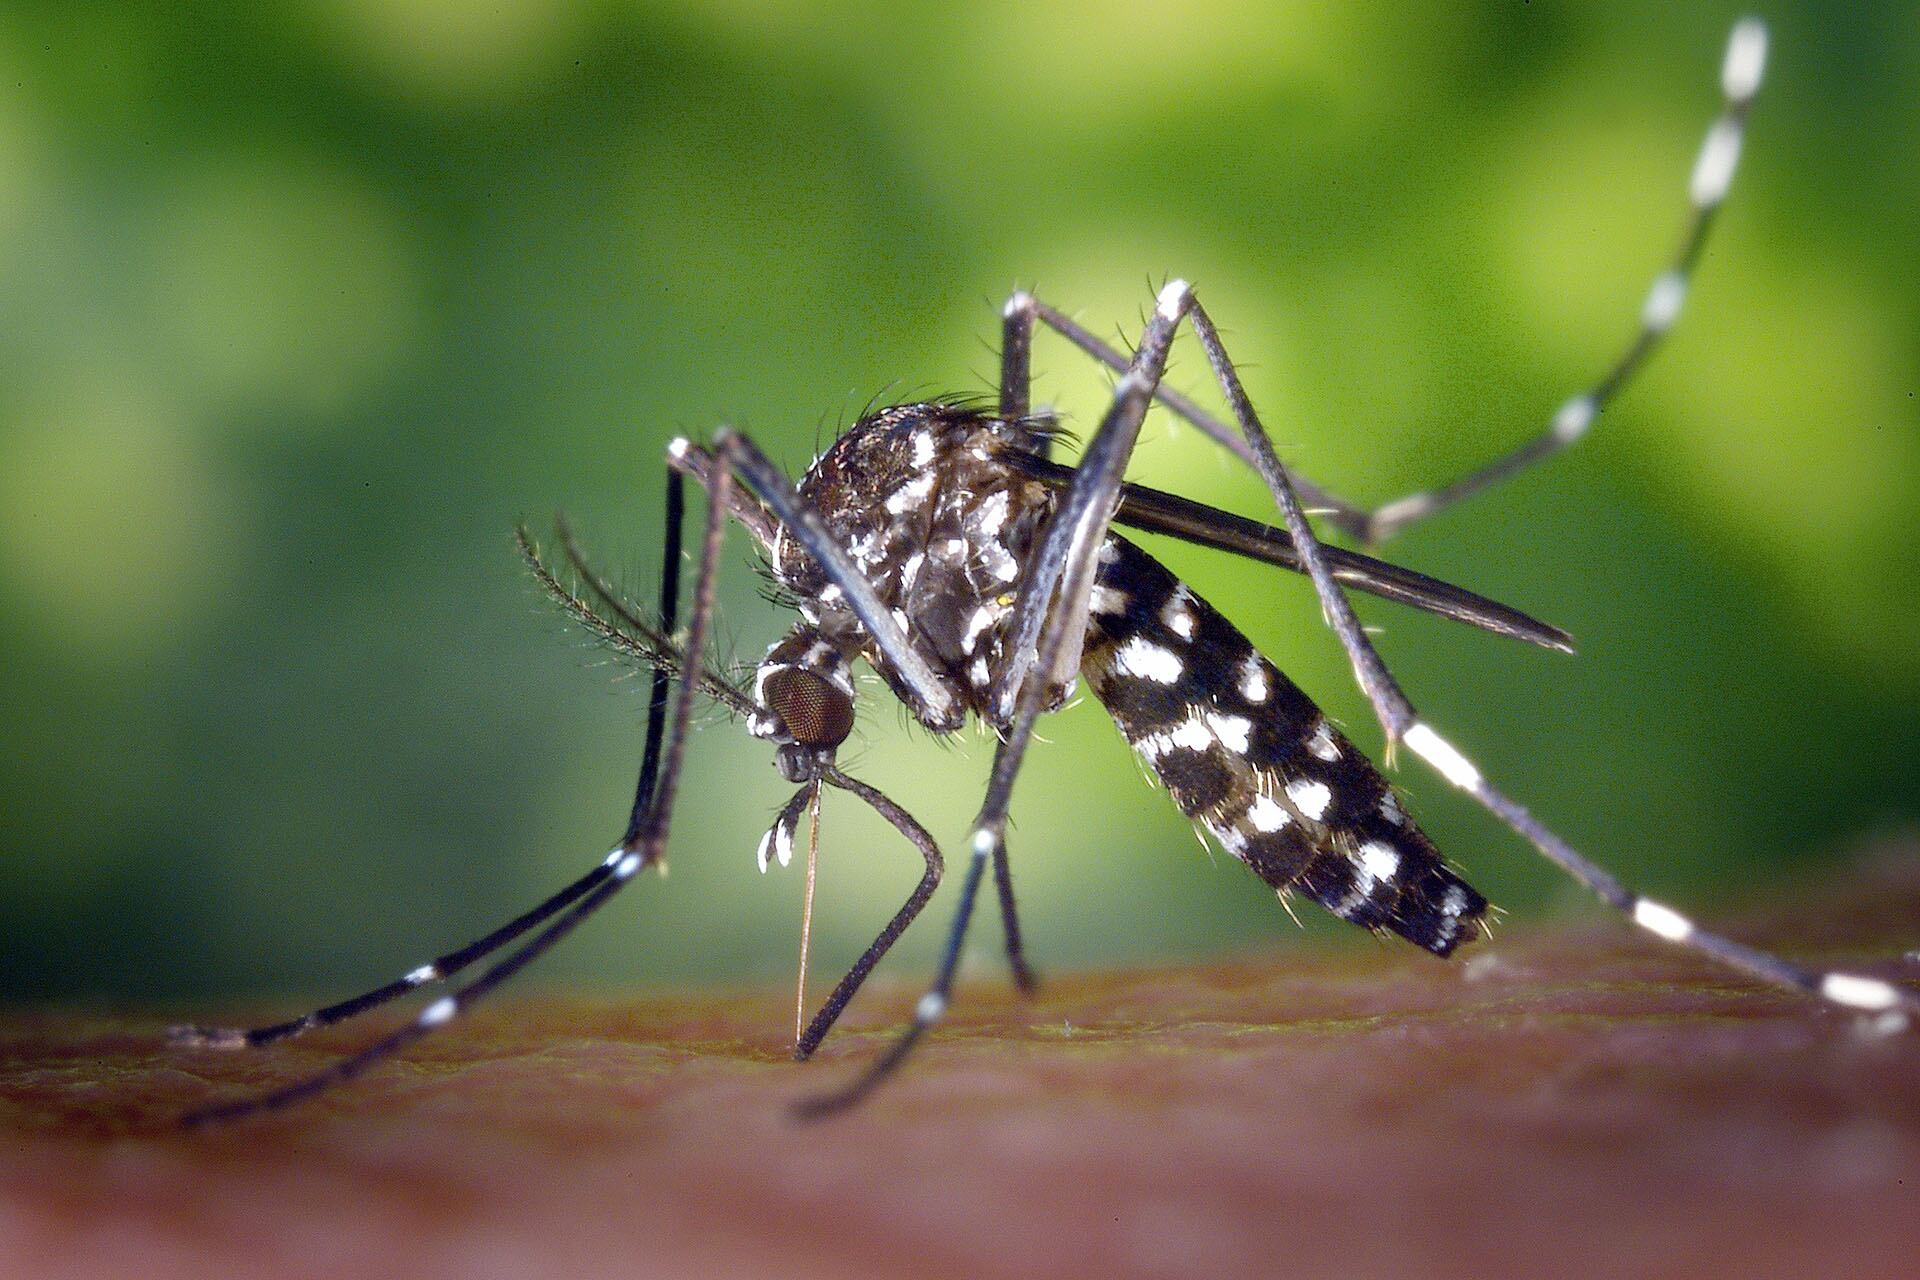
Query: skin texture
{"type": "Point", "coordinates": [1575, 1100]}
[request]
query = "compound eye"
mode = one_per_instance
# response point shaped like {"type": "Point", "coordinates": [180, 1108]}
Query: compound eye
{"type": "Point", "coordinates": [815, 712]}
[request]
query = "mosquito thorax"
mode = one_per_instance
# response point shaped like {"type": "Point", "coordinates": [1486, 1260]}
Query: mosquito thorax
{"type": "Point", "coordinates": [939, 524]}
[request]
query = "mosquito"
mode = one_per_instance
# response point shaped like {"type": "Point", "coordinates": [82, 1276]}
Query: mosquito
{"type": "Point", "coordinates": [940, 543]}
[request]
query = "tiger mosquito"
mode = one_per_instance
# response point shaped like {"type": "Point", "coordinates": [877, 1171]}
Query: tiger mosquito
{"type": "Point", "coordinates": [941, 544]}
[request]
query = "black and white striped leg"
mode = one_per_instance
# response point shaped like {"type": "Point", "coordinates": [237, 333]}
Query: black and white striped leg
{"type": "Point", "coordinates": [1894, 1006]}
{"type": "Point", "coordinates": [1740, 74]}
{"type": "Point", "coordinates": [1339, 510]}
{"type": "Point", "coordinates": [1016, 404]}
{"type": "Point", "coordinates": [1383, 692]}
{"type": "Point", "coordinates": [1062, 572]}
{"type": "Point", "coordinates": [1711, 177]}
{"type": "Point", "coordinates": [1403, 724]}
{"type": "Point", "coordinates": [641, 848]}
{"type": "Point", "coordinates": [446, 966]}
{"type": "Point", "coordinates": [437, 970]}
{"type": "Point", "coordinates": [1065, 556]}
{"type": "Point", "coordinates": [429, 1019]}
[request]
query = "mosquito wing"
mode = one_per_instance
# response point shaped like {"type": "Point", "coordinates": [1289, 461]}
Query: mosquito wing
{"type": "Point", "coordinates": [1159, 512]}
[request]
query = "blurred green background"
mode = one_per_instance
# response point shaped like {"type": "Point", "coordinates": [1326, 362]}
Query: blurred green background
{"type": "Point", "coordinates": [305, 304]}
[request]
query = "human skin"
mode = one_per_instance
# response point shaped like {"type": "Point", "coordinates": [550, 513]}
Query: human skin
{"type": "Point", "coordinates": [1569, 1100]}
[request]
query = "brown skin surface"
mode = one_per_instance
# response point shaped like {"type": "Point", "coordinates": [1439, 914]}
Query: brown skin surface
{"type": "Point", "coordinates": [1588, 1102]}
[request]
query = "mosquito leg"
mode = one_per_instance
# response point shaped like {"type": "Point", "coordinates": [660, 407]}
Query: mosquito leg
{"type": "Point", "coordinates": [1023, 975]}
{"type": "Point", "coordinates": [650, 832]}
{"type": "Point", "coordinates": [903, 822]}
{"type": "Point", "coordinates": [669, 614]}
{"type": "Point", "coordinates": [1016, 387]}
{"type": "Point", "coordinates": [1740, 75]}
{"type": "Point", "coordinates": [1403, 724]}
{"type": "Point", "coordinates": [638, 850]}
{"type": "Point", "coordinates": [435, 1015]}
{"type": "Point", "coordinates": [1080, 521]}
{"type": "Point", "coordinates": [439, 970]}
{"type": "Point", "coordinates": [443, 967]}
{"type": "Point", "coordinates": [988, 843]}
{"type": "Point", "coordinates": [932, 1006]}
{"type": "Point", "coordinates": [1707, 187]}
{"type": "Point", "coordinates": [1348, 516]}
{"type": "Point", "coordinates": [1065, 559]}
{"type": "Point", "coordinates": [1383, 692]}
{"type": "Point", "coordinates": [1897, 1005]}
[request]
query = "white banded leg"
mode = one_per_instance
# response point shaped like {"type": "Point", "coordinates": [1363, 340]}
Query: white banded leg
{"type": "Point", "coordinates": [641, 848]}
{"type": "Point", "coordinates": [1741, 71]}
{"type": "Point", "coordinates": [437, 1014]}
{"type": "Point", "coordinates": [1065, 556]}
{"type": "Point", "coordinates": [1023, 309]}
{"type": "Point", "coordinates": [445, 966]}
{"type": "Point", "coordinates": [1712, 175]}
{"type": "Point", "coordinates": [436, 971]}
{"type": "Point", "coordinates": [1403, 724]}
{"type": "Point", "coordinates": [1895, 1005]}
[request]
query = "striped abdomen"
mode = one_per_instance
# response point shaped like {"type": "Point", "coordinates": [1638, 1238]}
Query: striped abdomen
{"type": "Point", "coordinates": [1245, 752]}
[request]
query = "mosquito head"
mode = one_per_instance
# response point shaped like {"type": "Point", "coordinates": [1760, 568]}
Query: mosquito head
{"type": "Point", "coordinates": [803, 697]}
{"type": "Point", "coordinates": [818, 717]}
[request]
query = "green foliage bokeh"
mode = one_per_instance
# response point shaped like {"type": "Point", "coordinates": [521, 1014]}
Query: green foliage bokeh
{"type": "Point", "coordinates": [303, 305]}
